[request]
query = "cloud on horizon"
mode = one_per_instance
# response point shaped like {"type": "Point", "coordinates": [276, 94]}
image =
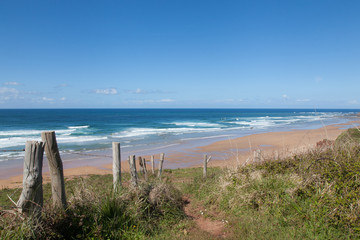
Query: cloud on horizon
{"type": "Point", "coordinates": [165, 100]}
{"type": "Point", "coordinates": [8, 93]}
{"type": "Point", "coordinates": [11, 84]}
{"type": "Point", "coordinates": [108, 91]}
{"type": "Point", "coordinates": [142, 91]}
{"type": "Point", "coordinates": [63, 85]}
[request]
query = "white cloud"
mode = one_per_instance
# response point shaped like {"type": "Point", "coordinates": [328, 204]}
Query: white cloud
{"type": "Point", "coordinates": [109, 91]}
{"type": "Point", "coordinates": [285, 96]}
{"type": "Point", "coordinates": [6, 90]}
{"type": "Point", "coordinates": [167, 100]}
{"type": "Point", "coordinates": [46, 99]}
{"type": "Point", "coordinates": [63, 99]}
{"type": "Point", "coordinates": [138, 91]}
{"type": "Point", "coordinates": [11, 83]}
{"type": "Point", "coordinates": [142, 91]}
{"type": "Point", "coordinates": [8, 93]}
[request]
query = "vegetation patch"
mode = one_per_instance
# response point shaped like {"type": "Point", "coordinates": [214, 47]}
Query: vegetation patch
{"type": "Point", "coordinates": [95, 212]}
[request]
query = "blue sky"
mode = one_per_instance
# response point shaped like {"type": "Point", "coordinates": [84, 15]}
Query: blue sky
{"type": "Point", "coordinates": [174, 54]}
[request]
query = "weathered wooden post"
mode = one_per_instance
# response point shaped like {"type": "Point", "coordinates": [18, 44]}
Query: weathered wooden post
{"type": "Point", "coordinates": [144, 168]}
{"type": "Point", "coordinates": [56, 169]}
{"type": "Point", "coordinates": [257, 155]}
{"type": "Point", "coordinates": [31, 198]}
{"type": "Point", "coordinates": [152, 164]}
{"type": "Point", "coordinates": [142, 164]}
{"type": "Point", "coordinates": [206, 161]}
{"type": "Point", "coordinates": [140, 161]}
{"type": "Point", "coordinates": [116, 166]}
{"type": "Point", "coordinates": [133, 173]}
{"type": "Point", "coordinates": [162, 157]}
{"type": "Point", "coordinates": [276, 155]}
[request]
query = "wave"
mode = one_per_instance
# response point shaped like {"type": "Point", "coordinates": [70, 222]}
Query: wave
{"type": "Point", "coordinates": [34, 132]}
{"type": "Point", "coordinates": [140, 132]}
{"type": "Point", "coordinates": [197, 124]}
{"type": "Point", "coordinates": [77, 139]}
{"type": "Point", "coordinates": [79, 127]}
{"type": "Point", "coordinates": [15, 141]}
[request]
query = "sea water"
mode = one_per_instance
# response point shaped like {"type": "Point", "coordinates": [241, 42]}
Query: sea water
{"type": "Point", "coordinates": [89, 130]}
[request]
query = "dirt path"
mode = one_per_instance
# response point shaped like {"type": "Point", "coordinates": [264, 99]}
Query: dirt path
{"type": "Point", "coordinates": [213, 227]}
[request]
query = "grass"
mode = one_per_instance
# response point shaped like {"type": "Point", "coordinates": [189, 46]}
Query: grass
{"type": "Point", "coordinates": [307, 196]}
{"type": "Point", "coordinates": [314, 195]}
{"type": "Point", "coordinates": [95, 212]}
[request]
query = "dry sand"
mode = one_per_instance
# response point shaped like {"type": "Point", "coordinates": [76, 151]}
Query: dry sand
{"type": "Point", "coordinates": [226, 153]}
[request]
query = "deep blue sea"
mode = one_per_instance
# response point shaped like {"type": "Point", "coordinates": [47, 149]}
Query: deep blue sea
{"type": "Point", "coordinates": [83, 130]}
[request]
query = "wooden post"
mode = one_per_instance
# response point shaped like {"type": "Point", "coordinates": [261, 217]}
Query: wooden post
{"type": "Point", "coordinates": [152, 164]}
{"type": "Point", "coordinates": [133, 173]}
{"type": "Point", "coordinates": [116, 166]}
{"type": "Point", "coordinates": [162, 157]}
{"type": "Point", "coordinates": [144, 169]}
{"type": "Point", "coordinates": [206, 161]}
{"type": "Point", "coordinates": [56, 169]}
{"type": "Point", "coordinates": [276, 155]}
{"type": "Point", "coordinates": [31, 198]}
{"type": "Point", "coordinates": [140, 161]}
{"type": "Point", "coordinates": [257, 155]}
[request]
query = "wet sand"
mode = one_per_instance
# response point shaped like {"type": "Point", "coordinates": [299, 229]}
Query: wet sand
{"type": "Point", "coordinates": [225, 153]}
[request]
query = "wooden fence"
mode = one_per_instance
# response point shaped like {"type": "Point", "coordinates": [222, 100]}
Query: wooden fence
{"type": "Point", "coordinates": [31, 198]}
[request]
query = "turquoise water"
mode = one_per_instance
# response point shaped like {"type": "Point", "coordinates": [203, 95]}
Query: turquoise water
{"type": "Point", "coordinates": [88, 130]}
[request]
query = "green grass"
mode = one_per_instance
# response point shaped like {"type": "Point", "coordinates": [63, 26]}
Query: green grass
{"type": "Point", "coordinates": [96, 212]}
{"type": "Point", "coordinates": [314, 195]}
{"type": "Point", "coordinates": [309, 196]}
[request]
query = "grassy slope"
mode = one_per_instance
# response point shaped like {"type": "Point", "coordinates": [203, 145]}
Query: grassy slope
{"type": "Point", "coordinates": [313, 195]}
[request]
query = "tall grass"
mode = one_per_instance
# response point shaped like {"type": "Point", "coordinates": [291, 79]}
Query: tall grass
{"type": "Point", "coordinates": [99, 213]}
{"type": "Point", "coordinates": [306, 196]}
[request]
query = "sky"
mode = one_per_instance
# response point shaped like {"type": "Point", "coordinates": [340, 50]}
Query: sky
{"type": "Point", "coordinates": [180, 54]}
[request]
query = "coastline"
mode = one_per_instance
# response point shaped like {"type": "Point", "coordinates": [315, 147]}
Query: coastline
{"type": "Point", "coordinates": [225, 153]}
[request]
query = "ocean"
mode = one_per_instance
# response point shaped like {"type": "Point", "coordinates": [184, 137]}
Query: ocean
{"type": "Point", "coordinates": [91, 130]}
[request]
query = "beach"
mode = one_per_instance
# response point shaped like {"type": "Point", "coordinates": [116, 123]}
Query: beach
{"type": "Point", "coordinates": [231, 152]}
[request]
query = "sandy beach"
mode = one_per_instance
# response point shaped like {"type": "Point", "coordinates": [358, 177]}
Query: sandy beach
{"type": "Point", "coordinates": [225, 153]}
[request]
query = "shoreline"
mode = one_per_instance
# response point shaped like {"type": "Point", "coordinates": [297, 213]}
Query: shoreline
{"type": "Point", "coordinates": [225, 153]}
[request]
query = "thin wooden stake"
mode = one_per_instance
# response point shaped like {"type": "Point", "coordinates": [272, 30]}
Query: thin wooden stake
{"type": "Point", "coordinates": [56, 169]}
{"type": "Point", "coordinates": [144, 169]}
{"type": "Point", "coordinates": [162, 158]}
{"type": "Point", "coordinates": [116, 166]}
{"type": "Point", "coordinates": [206, 161]}
{"type": "Point", "coordinates": [152, 164]}
{"type": "Point", "coordinates": [140, 161]}
{"type": "Point", "coordinates": [31, 198]}
{"type": "Point", "coordinates": [134, 177]}
{"type": "Point", "coordinates": [257, 155]}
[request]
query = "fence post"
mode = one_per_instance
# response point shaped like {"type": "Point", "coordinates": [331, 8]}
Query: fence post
{"type": "Point", "coordinates": [144, 168]}
{"type": "Point", "coordinates": [257, 155]}
{"type": "Point", "coordinates": [152, 164]}
{"type": "Point", "coordinates": [56, 169]}
{"type": "Point", "coordinates": [133, 173]}
{"type": "Point", "coordinates": [142, 164]}
{"type": "Point", "coordinates": [140, 161]}
{"type": "Point", "coordinates": [162, 157]}
{"type": "Point", "coordinates": [206, 161]}
{"type": "Point", "coordinates": [116, 166]}
{"type": "Point", "coordinates": [31, 198]}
